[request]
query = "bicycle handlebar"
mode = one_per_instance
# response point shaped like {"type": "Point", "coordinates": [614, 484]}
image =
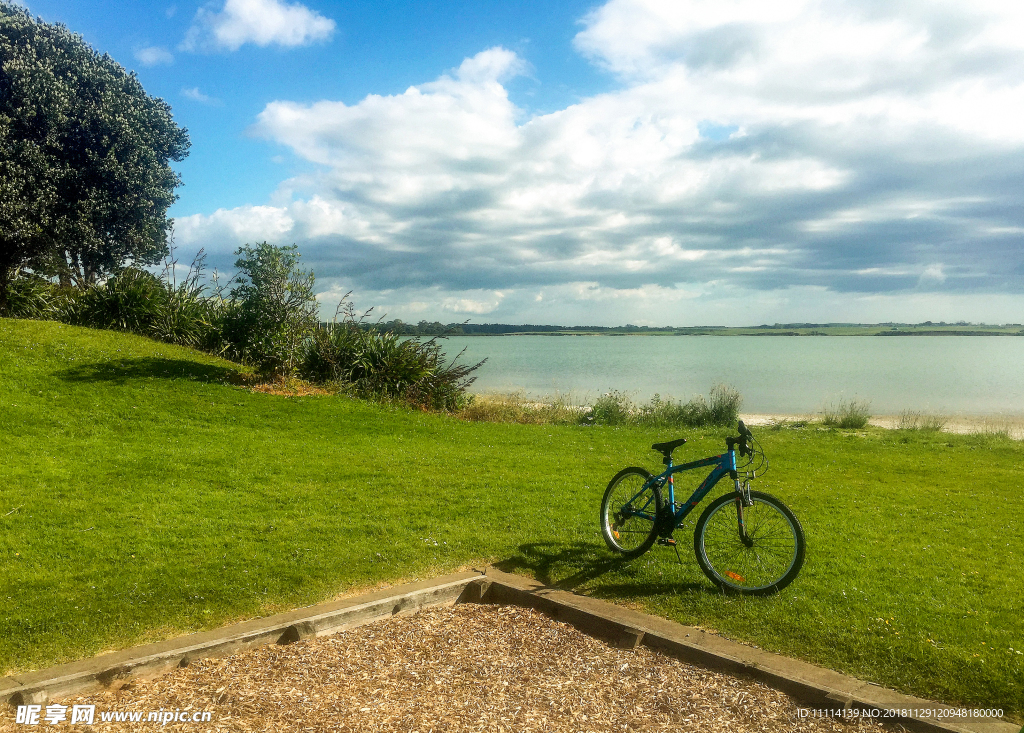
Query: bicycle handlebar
{"type": "Point", "coordinates": [744, 434]}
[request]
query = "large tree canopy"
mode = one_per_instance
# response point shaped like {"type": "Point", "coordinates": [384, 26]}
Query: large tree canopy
{"type": "Point", "coordinates": [85, 153]}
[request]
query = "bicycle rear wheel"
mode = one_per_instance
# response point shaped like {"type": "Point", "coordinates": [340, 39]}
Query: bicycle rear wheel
{"type": "Point", "coordinates": [629, 512]}
{"type": "Point", "coordinates": [770, 558]}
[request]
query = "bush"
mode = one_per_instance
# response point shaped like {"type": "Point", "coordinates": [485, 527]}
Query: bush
{"type": "Point", "coordinates": [852, 414]}
{"type": "Point", "coordinates": [721, 409]}
{"type": "Point", "coordinates": [275, 310]}
{"type": "Point", "coordinates": [381, 364]}
{"type": "Point", "coordinates": [612, 408]}
{"type": "Point", "coordinates": [138, 301]}
{"type": "Point", "coordinates": [30, 296]}
{"type": "Point", "coordinates": [132, 300]}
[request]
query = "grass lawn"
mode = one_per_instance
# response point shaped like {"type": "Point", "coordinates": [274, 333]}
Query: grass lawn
{"type": "Point", "coordinates": [144, 496]}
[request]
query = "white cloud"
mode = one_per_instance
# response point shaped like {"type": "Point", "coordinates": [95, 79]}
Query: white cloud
{"type": "Point", "coordinates": [817, 147]}
{"type": "Point", "coordinates": [195, 95]}
{"type": "Point", "coordinates": [153, 56]}
{"type": "Point", "coordinates": [260, 22]}
{"type": "Point", "coordinates": [859, 65]}
{"type": "Point", "coordinates": [469, 306]}
{"type": "Point", "coordinates": [238, 226]}
{"type": "Point", "coordinates": [932, 275]}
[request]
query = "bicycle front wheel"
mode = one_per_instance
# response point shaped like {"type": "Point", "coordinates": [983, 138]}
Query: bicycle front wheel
{"type": "Point", "coordinates": [629, 512]}
{"type": "Point", "coordinates": [764, 562]}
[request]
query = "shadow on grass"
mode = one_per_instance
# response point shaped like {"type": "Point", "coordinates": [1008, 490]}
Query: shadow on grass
{"type": "Point", "coordinates": [582, 566]}
{"type": "Point", "coordinates": [122, 371]}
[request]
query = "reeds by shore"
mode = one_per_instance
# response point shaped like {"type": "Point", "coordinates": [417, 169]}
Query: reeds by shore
{"type": "Point", "coordinates": [617, 408]}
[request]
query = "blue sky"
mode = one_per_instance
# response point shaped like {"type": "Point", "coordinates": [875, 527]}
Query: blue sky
{"type": "Point", "coordinates": [665, 162]}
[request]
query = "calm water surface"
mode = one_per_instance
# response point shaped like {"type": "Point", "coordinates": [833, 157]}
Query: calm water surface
{"type": "Point", "coordinates": [969, 375]}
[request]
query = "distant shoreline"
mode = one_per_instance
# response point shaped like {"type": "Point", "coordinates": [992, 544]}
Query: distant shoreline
{"type": "Point", "coordinates": [927, 328]}
{"type": "Point", "coordinates": [742, 332]}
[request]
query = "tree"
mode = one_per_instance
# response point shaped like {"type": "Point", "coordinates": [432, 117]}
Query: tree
{"type": "Point", "coordinates": [85, 153]}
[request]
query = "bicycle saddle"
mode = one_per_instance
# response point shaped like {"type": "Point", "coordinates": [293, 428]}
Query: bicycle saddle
{"type": "Point", "coordinates": [667, 448]}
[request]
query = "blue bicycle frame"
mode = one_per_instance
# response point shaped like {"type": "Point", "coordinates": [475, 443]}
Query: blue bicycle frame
{"type": "Point", "coordinates": [724, 464]}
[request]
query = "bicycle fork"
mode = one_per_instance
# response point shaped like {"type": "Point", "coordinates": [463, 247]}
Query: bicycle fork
{"type": "Point", "coordinates": [743, 501]}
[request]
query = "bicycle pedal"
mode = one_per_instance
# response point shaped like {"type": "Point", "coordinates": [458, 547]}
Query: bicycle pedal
{"type": "Point", "coordinates": [667, 541]}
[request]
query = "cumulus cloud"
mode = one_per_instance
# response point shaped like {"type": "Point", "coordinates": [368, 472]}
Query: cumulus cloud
{"type": "Point", "coordinates": [809, 148]}
{"type": "Point", "coordinates": [153, 56]}
{"type": "Point", "coordinates": [260, 22]}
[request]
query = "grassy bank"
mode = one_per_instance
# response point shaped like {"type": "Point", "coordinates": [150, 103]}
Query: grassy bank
{"type": "Point", "coordinates": [143, 494]}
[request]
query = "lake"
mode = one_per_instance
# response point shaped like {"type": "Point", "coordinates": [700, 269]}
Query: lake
{"type": "Point", "coordinates": [966, 375]}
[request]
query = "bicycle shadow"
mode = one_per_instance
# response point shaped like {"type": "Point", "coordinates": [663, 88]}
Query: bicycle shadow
{"type": "Point", "coordinates": [576, 565]}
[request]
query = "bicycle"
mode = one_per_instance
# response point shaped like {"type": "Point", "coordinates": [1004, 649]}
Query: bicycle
{"type": "Point", "coordinates": [758, 550]}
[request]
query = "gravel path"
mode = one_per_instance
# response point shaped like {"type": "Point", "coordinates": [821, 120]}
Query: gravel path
{"type": "Point", "coordinates": [467, 668]}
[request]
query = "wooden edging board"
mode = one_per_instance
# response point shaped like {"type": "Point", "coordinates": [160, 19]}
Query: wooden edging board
{"type": "Point", "coordinates": [815, 687]}
{"type": "Point", "coordinates": [818, 688]}
{"type": "Point", "coordinates": [151, 660]}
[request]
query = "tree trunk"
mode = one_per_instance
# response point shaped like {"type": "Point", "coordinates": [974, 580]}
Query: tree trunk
{"type": "Point", "coordinates": [5, 283]}
{"type": "Point", "coordinates": [60, 261]}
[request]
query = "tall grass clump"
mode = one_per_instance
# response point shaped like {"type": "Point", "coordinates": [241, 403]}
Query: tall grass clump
{"type": "Point", "coordinates": [913, 420]}
{"type": "Point", "coordinates": [611, 408]}
{"type": "Point", "coordinates": [31, 296]}
{"type": "Point", "coordinates": [517, 408]}
{"type": "Point", "coordinates": [721, 408]}
{"type": "Point", "coordinates": [131, 300]}
{"type": "Point", "coordinates": [847, 414]}
{"type": "Point", "coordinates": [376, 363]}
{"type": "Point", "coordinates": [191, 317]}
{"type": "Point", "coordinates": [159, 307]}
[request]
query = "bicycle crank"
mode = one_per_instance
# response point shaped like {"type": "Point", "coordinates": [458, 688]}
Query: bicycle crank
{"type": "Point", "coordinates": [670, 542]}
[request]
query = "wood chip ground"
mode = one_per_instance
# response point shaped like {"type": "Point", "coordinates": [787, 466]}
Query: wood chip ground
{"type": "Point", "coordinates": [467, 668]}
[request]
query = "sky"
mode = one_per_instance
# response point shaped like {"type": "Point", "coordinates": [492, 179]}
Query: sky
{"type": "Point", "coordinates": [654, 162]}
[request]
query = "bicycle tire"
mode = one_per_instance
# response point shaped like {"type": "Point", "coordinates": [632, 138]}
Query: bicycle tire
{"type": "Point", "coordinates": [768, 565]}
{"type": "Point", "coordinates": [632, 535]}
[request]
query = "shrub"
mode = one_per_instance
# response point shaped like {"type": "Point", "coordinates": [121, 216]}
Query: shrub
{"type": "Point", "coordinates": [381, 364]}
{"type": "Point", "coordinates": [612, 408]}
{"type": "Point", "coordinates": [132, 300]}
{"type": "Point", "coordinates": [276, 311]}
{"type": "Point", "coordinates": [30, 296]}
{"type": "Point", "coordinates": [850, 414]}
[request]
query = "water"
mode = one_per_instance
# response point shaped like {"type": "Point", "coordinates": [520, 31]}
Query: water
{"type": "Point", "coordinates": [967, 375]}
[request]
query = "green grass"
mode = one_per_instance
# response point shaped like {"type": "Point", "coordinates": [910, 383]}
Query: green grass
{"type": "Point", "coordinates": [142, 495]}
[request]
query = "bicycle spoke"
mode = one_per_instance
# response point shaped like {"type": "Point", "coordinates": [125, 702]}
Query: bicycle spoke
{"type": "Point", "coordinates": [628, 512]}
{"type": "Point", "coordinates": [771, 553]}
